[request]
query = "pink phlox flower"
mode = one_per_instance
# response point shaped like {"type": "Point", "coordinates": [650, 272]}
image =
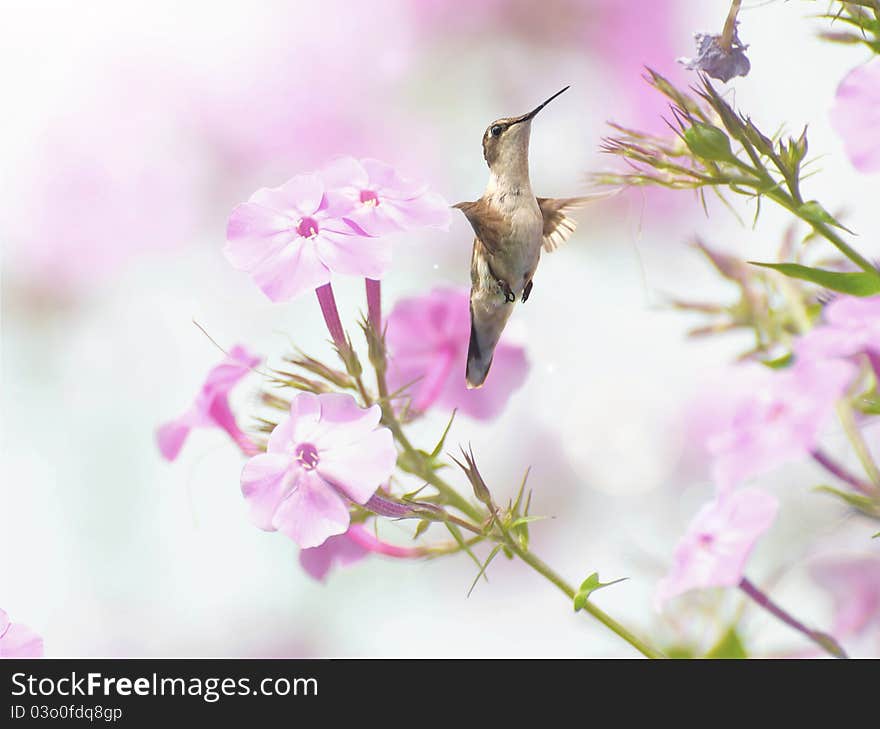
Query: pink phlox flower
{"type": "Point", "coordinates": [343, 550]}
{"type": "Point", "coordinates": [17, 640]}
{"type": "Point", "coordinates": [757, 418]}
{"type": "Point", "coordinates": [427, 339]}
{"type": "Point", "coordinates": [292, 238]}
{"type": "Point", "coordinates": [327, 451]}
{"type": "Point", "coordinates": [211, 408]}
{"type": "Point", "coordinates": [854, 583]}
{"type": "Point", "coordinates": [716, 546]}
{"type": "Point", "coordinates": [384, 201]}
{"type": "Point", "coordinates": [856, 116]}
{"type": "Point", "coordinates": [852, 327]}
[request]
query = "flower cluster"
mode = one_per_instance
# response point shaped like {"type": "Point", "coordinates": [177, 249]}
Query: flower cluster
{"type": "Point", "coordinates": [324, 470]}
{"type": "Point", "coordinates": [292, 238]}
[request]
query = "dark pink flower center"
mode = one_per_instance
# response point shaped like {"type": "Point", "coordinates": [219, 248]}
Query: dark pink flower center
{"type": "Point", "coordinates": [306, 455]}
{"type": "Point", "coordinates": [307, 228]}
{"type": "Point", "coordinates": [369, 198]}
{"type": "Point", "coordinates": [706, 540]}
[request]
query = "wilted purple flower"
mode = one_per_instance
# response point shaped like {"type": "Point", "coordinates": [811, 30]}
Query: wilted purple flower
{"type": "Point", "coordinates": [716, 546]}
{"type": "Point", "coordinates": [854, 583]}
{"type": "Point", "coordinates": [856, 116]}
{"type": "Point", "coordinates": [211, 408]}
{"type": "Point", "coordinates": [17, 640]}
{"type": "Point", "coordinates": [755, 418]}
{"type": "Point", "coordinates": [345, 549]}
{"type": "Point", "coordinates": [327, 451]}
{"type": "Point", "coordinates": [717, 61]}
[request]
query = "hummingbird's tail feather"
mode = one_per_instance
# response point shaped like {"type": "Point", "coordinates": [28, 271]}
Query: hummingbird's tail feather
{"type": "Point", "coordinates": [487, 323]}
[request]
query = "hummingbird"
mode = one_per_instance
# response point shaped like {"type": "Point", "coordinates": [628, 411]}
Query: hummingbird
{"type": "Point", "coordinates": [511, 226]}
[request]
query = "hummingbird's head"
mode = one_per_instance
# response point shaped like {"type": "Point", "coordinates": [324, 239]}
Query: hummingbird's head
{"type": "Point", "coordinates": [506, 141]}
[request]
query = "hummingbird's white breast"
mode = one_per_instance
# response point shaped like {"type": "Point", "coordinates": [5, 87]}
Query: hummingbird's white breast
{"type": "Point", "coordinates": [520, 248]}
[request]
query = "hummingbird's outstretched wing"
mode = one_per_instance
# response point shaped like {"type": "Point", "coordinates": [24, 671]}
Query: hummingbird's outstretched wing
{"type": "Point", "coordinates": [488, 224]}
{"type": "Point", "coordinates": [558, 227]}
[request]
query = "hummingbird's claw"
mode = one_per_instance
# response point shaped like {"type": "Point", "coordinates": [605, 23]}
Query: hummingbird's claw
{"type": "Point", "coordinates": [509, 296]}
{"type": "Point", "coordinates": [526, 291]}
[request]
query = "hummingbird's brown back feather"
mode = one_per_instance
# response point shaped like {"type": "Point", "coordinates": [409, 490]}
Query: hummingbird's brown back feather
{"type": "Point", "coordinates": [558, 227]}
{"type": "Point", "coordinates": [489, 225]}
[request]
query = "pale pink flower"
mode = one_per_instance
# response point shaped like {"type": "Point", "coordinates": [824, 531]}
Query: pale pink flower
{"type": "Point", "coordinates": [292, 238]}
{"type": "Point", "coordinates": [17, 640]}
{"type": "Point", "coordinates": [756, 418]}
{"type": "Point", "coordinates": [856, 116]}
{"type": "Point", "coordinates": [854, 583]}
{"type": "Point", "coordinates": [327, 451]}
{"type": "Point", "coordinates": [852, 327]}
{"type": "Point", "coordinates": [211, 408]}
{"type": "Point", "coordinates": [716, 546]}
{"type": "Point", "coordinates": [384, 202]}
{"type": "Point", "coordinates": [427, 341]}
{"type": "Point", "coordinates": [346, 549]}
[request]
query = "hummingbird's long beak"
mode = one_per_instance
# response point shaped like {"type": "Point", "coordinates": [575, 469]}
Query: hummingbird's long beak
{"type": "Point", "coordinates": [534, 112]}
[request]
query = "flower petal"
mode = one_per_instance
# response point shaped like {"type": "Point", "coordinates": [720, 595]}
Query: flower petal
{"type": "Point", "coordinates": [312, 512]}
{"type": "Point", "coordinates": [340, 550]}
{"type": "Point", "coordinates": [255, 233]}
{"type": "Point", "coordinates": [510, 368]}
{"type": "Point", "coordinates": [718, 542]}
{"type": "Point", "coordinates": [384, 178]}
{"type": "Point", "coordinates": [426, 211]}
{"type": "Point", "coordinates": [343, 421]}
{"type": "Point", "coordinates": [299, 196]}
{"type": "Point", "coordinates": [293, 271]}
{"type": "Point", "coordinates": [344, 172]}
{"type": "Point", "coordinates": [171, 436]}
{"type": "Point", "coordinates": [856, 116]}
{"type": "Point", "coordinates": [19, 641]}
{"type": "Point", "coordinates": [265, 480]}
{"type": "Point", "coordinates": [354, 255]}
{"type": "Point", "coordinates": [359, 468]}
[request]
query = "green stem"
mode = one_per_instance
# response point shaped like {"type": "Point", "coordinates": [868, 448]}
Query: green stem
{"type": "Point", "coordinates": [542, 568]}
{"type": "Point", "coordinates": [418, 465]}
{"type": "Point", "coordinates": [793, 205]}
{"type": "Point", "coordinates": [845, 413]}
{"type": "Point", "coordinates": [453, 498]}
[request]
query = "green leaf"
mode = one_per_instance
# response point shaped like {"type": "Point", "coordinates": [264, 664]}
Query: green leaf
{"type": "Point", "coordinates": [526, 520]}
{"type": "Point", "coordinates": [814, 213]}
{"type": "Point", "coordinates": [439, 447]}
{"type": "Point", "coordinates": [456, 534]}
{"type": "Point", "coordinates": [589, 586]}
{"type": "Point", "coordinates": [421, 528]}
{"type": "Point", "coordinates": [482, 572]}
{"type": "Point", "coordinates": [779, 363]}
{"type": "Point", "coordinates": [856, 283]}
{"type": "Point", "coordinates": [728, 646]}
{"type": "Point", "coordinates": [708, 142]}
{"type": "Point", "coordinates": [859, 501]}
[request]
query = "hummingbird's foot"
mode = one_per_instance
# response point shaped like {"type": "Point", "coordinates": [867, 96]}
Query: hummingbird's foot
{"type": "Point", "coordinates": [509, 296]}
{"type": "Point", "coordinates": [526, 291]}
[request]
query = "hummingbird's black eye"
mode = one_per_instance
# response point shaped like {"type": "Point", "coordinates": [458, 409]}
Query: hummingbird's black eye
{"type": "Point", "coordinates": [496, 130]}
